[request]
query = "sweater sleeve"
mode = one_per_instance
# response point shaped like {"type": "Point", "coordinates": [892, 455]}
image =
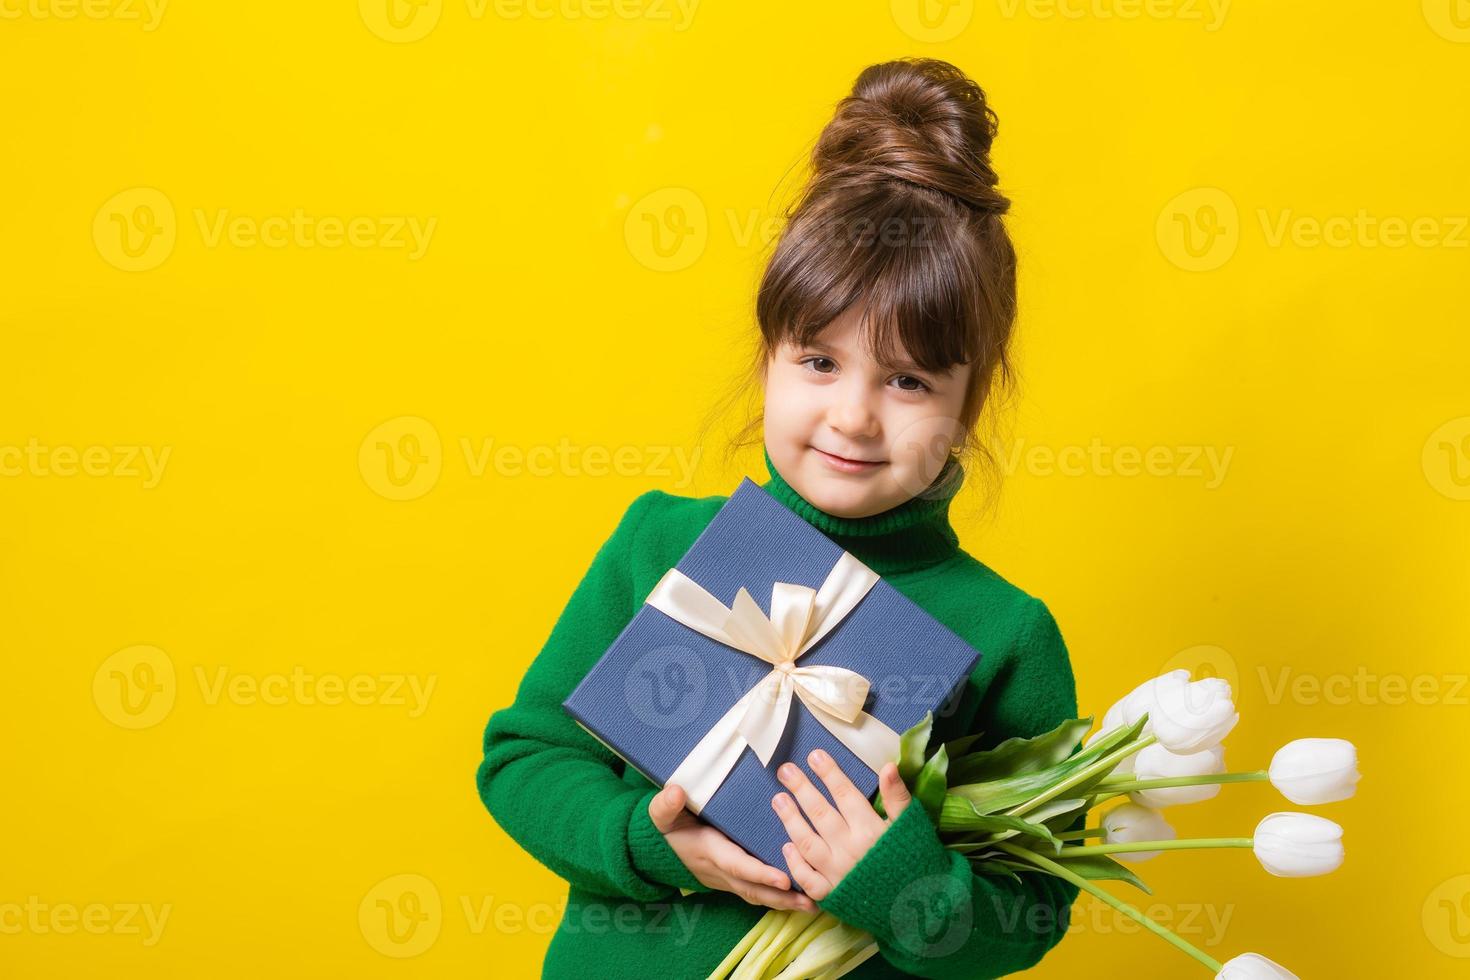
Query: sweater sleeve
{"type": "Point", "coordinates": [933, 917]}
{"type": "Point", "coordinates": [552, 786]}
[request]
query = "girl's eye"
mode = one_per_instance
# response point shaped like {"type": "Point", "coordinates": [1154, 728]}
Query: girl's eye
{"type": "Point", "coordinates": [811, 363]}
{"type": "Point", "coordinates": [920, 386]}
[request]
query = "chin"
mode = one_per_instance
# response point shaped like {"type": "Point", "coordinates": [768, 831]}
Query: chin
{"type": "Point", "coordinates": [844, 500]}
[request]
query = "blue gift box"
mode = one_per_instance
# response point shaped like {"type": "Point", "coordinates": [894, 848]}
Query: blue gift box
{"type": "Point", "coordinates": [662, 685]}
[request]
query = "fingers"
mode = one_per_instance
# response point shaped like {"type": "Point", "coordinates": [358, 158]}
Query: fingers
{"type": "Point", "coordinates": [665, 807]}
{"type": "Point", "coordinates": [813, 882]}
{"type": "Point", "coordinates": [896, 795]}
{"type": "Point", "coordinates": [824, 817]}
{"type": "Point", "coordinates": [736, 862]}
{"type": "Point", "coordinates": [855, 808]}
{"type": "Point", "coordinates": [774, 898]}
{"type": "Point", "coordinates": [811, 846]}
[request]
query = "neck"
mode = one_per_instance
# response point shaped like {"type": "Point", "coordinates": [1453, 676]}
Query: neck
{"type": "Point", "coordinates": [913, 535]}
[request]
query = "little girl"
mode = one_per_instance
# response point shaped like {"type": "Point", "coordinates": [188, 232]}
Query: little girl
{"type": "Point", "coordinates": [885, 313]}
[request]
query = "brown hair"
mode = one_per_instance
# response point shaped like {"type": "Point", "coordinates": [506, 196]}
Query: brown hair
{"type": "Point", "coordinates": [900, 215]}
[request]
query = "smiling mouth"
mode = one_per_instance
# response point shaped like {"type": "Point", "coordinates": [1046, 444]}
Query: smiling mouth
{"type": "Point", "coordinates": [844, 462]}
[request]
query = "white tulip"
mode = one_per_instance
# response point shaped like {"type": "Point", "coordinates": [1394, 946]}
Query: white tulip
{"type": "Point", "coordinates": [1298, 845]}
{"type": "Point", "coordinates": [1190, 716]}
{"type": "Point", "coordinates": [1127, 710]}
{"type": "Point", "coordinates": [1185, 716]}
{"type": "Point", "coordinates": [1315, 770]}
{"type": "Point", "coordinates": [1254, 966]}
{"type": "Point", "coordinates": [1141, 698]}
{"type": "Point", "coordinates": [1156, 762]}
{"type": "Point", "coordinates": [1129, 823]}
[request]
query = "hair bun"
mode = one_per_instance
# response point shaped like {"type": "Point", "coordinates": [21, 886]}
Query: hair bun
{"type": "Point", "coordinates": [917, 120]}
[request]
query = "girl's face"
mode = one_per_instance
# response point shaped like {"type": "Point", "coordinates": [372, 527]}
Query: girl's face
{"type": "Point", "coordinates": [852, 436]}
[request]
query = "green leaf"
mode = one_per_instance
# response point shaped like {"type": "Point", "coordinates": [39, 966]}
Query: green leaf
{"type": "Point", "coordinates": [960, 746]}
{"type": "Point", "coordinates": [1016, 756]}
{"type": "Point", "coordinates": [1114, 739]}
{"type": "Point", "coordinates": [959, 814]}
{"type": "Point", "coordinates": [1099, 867]}
{"type": "Point", "coordinates": [1002, 794]}
{"type": "Point", "coordinates": [931, 783]}
{"type": "Point", "coordinates": [995, 795]}
{"type": "Point", "coordinates": [998, 827]}
{"type": "Point", "coordinates": [996, 868]}
{"type": "Point", "coordinates": [1056, 811]}
{"type": "Point", "coordinates": [913, 745]}
{"type": "Point", "coordinates": [1093, 867]}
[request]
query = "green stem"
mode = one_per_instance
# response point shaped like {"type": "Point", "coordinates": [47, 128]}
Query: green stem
{"type": "Point", "coordinates": [735, 955]}
{"type": "Point", "coordinates": [1127, 782]}
{"type": "Point", "coordinates": [851, 963]}
{"type": "Point", "coordinates": [1063, 871]}
{"type": "Point", "coordinates": [1080, 834]}
{"type": "Point", "coordinates": [827, 952]}
{"type": "Point", "coordinates": [1188, 843]}
{"type": "Point", "coordinates": [760, 958]}
{"type": "Point", "coordinates": [815, 928]}
{"type": "Point", "coordinates": [1082, 775]}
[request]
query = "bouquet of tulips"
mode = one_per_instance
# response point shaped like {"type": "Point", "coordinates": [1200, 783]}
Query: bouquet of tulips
{"type": "Point", "coordinates": [1006, 809]}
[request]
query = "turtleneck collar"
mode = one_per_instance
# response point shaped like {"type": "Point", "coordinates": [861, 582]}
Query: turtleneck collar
{"type": "Point", "coordinates": [913, 535]}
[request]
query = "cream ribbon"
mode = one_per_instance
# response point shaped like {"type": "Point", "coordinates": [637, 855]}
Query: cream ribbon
{"type": "Point", "coordinates": [800, 616]}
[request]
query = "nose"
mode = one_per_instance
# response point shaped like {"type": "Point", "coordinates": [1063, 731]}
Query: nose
{"type": "Point", "coordinates": [851, 414]}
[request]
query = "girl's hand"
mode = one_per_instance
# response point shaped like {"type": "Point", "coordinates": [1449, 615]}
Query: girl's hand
{"type": "Point", "coordinates": [823, 851]}
{"type": "Point", "coordinates": [717, 861]}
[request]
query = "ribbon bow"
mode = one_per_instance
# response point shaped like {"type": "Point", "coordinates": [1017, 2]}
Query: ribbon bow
{"type": "Point", "coordinates": [800, 616]}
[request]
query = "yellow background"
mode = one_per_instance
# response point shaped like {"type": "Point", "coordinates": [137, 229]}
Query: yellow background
{"type": "Point", "coordinates": [602, 181]}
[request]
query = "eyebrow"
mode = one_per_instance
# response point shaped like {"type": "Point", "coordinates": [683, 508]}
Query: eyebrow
{"type": "Point", "coordinates": [886, 363]}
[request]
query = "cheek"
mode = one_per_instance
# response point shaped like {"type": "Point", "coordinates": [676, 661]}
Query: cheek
{"type": "Point", "coordinates": [789, 403]}
{"type": "Point", "coordinates": [921, 446]}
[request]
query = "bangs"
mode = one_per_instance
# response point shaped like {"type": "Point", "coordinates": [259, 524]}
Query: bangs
{"type": "Point", "coordinates": [905, 260]}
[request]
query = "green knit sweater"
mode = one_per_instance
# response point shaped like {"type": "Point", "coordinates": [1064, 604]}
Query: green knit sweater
{"type": "Point", "coordinates": [583, 812]}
